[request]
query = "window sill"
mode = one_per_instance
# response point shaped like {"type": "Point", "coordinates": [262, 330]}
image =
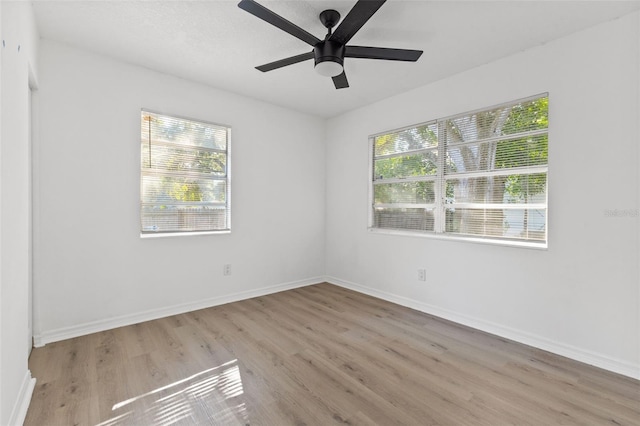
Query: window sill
{"type": "Point", "coordinates": [182, 234]}
{"type": "Point", "coordinates": [477, 240]}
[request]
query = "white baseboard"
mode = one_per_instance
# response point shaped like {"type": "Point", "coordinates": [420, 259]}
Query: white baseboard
{"type": "Point", "coordinates": [602, 361]}
{"type": "Point", "coordinates": [56, 335]}
{"type": "Point", "coordinates": [19, 411]}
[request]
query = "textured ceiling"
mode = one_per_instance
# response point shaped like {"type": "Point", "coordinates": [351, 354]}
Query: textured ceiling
{"type": "Point", "coordinates": [216, 43]}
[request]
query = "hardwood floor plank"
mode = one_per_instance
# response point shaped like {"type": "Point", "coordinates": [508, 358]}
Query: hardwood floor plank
{"type": "Point", "coordinates": [343, 395]}
{"type": "Point", "coordinates": [111, 373]}
{"type": "Point", "coordinates": [317, 355]}
{"type": "Point", "coordinates": [138, 340]}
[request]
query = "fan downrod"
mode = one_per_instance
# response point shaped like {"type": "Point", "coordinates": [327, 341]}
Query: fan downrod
{"type": "Point", "coordinates": [329, 18]}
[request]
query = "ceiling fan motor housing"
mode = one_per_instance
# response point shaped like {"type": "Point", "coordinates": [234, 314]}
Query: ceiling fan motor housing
{"type": "Point", "coordinates": [328, 50]}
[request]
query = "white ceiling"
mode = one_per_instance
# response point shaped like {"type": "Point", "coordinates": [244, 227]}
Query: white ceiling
{"type": "Point", "coordinates": [216, 43]}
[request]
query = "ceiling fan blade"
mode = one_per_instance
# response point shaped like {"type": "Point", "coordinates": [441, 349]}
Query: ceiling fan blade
{"type": "Point", "coordinates": [382, 53]}
{"type": "Point", "coordinates": [278, 21]}
{"type": "Point", "coordinates": [340, 81]}
{"type": "Point", "coordinates": [284, 62]}
{"type": "Point", "coordinates": [355, 19]}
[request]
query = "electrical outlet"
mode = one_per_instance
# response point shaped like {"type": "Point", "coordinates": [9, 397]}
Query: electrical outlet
{"type": "Point", "coordinates": [226, 269]}
{"type": "Point", "coordinates": [422, 274]}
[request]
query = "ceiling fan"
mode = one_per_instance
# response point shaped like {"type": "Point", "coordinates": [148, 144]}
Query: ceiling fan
{"type": "Point", "coordinates": [329, 53]}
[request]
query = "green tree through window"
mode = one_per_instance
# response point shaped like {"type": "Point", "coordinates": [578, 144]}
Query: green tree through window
{"type": "Point", "coordinates": [184, 175]}
{"type": "Point", "coordinates": [477, 174]}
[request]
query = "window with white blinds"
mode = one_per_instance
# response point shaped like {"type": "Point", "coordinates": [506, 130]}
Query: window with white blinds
{"type": "Point", "coordinates": [481, 175]}
{"type": "Point", "coordinates": [184, 177]}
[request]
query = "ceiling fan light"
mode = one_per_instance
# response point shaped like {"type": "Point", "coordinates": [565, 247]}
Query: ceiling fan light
{"type": "Point", "coordinates": [328, 68]}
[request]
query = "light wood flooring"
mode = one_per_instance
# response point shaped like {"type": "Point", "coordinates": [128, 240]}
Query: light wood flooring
{"type": "Point", "coordinates": [318, 355]}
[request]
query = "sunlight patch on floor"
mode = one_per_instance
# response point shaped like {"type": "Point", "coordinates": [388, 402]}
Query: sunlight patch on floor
{"type": "Point", "coordinates": [210, 396]}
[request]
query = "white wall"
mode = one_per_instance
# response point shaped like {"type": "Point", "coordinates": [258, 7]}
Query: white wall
{"type": "Point", "coordinates": [578, 298]}
{"type": "Point", "coordinates": [92, 269]}
{"type": "Point", "coordinates": [18, 58]}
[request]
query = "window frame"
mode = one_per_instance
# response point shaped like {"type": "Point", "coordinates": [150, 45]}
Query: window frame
{"type": "Point", "coordinates": [441, 176]}
{"type": "Point", "coordinates": [226, 178]}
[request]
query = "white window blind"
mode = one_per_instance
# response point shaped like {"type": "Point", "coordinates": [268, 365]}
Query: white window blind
{"type": "Point", "coordinates": [184, 175]}
{"type": "Point", "coordinates": [481, 175]}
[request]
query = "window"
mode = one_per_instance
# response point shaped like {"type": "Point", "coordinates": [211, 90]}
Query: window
{"type": "Point", "coordinates": [479, 175]}
{"type": "Point", "coordinates": [184, 178]}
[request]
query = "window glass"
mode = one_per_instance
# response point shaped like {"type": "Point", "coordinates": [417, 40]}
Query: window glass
{"type": "Point", "coordinates": [491, 181]}
{"type": "Point", "coordinates": [184, 178]}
